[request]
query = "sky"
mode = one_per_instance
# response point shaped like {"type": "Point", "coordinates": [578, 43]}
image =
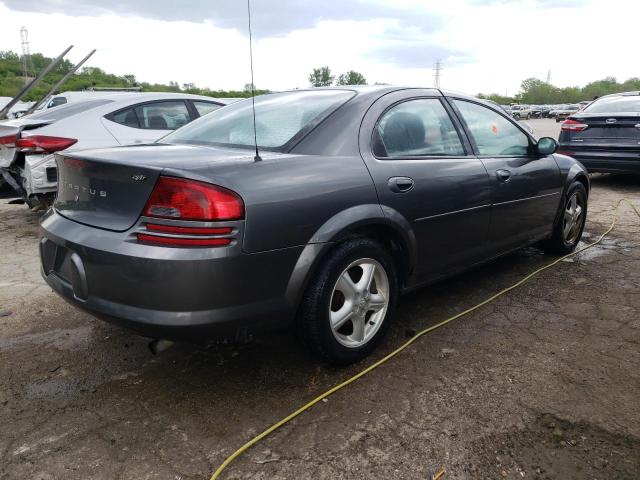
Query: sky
{"type": "Point", "coordinates": [486, 46]}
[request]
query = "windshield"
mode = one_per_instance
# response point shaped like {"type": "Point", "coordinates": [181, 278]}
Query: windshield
{"type": "Point", "coordinates": [279, 118]}
{"type": "Point", "coordinates": [630, 104]}
{"type": "Point", "coordinates": [65, 111]}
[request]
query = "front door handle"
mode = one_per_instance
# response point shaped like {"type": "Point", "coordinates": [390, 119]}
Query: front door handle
{"type": "Point", "coordinates": [503, 175]}
{"type": "Point", "coordinates": [401, 184]}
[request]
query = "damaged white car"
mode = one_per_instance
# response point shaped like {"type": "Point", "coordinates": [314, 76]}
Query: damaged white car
{"type": "Point", "coordinates": [27, 144]}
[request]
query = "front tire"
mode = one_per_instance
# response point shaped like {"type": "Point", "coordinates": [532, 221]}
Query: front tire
{"type": "Point", "coordinates": [347, 307]}
{"type": "Point", "coordinates": [567, 231]}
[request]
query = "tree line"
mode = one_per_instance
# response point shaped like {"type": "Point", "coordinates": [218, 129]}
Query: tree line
{"type": "Point", "coordinates": [12, 79]}
{"type": "Point", "coordinates": [534, 91]}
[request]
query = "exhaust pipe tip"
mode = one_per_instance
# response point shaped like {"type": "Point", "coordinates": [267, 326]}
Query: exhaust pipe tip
{"type": "Point", "coordinates": [159, 345]}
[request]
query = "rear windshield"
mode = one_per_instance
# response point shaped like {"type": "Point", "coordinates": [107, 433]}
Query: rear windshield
{"type": "Point", "coordinates": [280, 117]}
{"type": "Point", "coordinates": [65, 111]}
{"type": "Point", "coordinates": [615, 105]}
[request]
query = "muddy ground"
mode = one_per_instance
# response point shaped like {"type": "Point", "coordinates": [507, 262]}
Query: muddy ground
{"type": "Point", "coordinates": [542, 384]}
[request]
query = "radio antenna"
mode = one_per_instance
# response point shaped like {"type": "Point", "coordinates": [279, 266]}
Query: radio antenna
{"type": "Point", "coordinates": [253, 93]}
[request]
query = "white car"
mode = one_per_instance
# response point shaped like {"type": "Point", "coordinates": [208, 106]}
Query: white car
{"type": "Point", "coordinates": [27, 144]}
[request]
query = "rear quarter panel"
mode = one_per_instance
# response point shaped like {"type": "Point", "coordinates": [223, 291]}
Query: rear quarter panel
{"type": "Point", "coordinates": [288, 199]}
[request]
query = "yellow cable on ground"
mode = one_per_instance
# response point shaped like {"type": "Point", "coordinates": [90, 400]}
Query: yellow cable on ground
{"type": "Point", "coordinates": [402, 347]}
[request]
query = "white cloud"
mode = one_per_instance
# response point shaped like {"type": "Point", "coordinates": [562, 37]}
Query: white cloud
{"type": "Point", "coordinates": [487, 45]}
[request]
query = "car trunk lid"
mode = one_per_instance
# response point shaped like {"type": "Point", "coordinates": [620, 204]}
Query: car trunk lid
{"type": "Point", "coordinates": [622, 129]}
{"type": "Point", "coordinates": [109, 188]}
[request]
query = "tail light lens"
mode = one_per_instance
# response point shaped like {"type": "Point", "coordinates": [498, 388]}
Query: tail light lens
{"type": "Point", "coordinates": [43, 144]}
{"type": "Point", "coordinates": [570, 125]}
{"type": "Point", "coordinates": [182, 199]}
{"type": "Point", "coordinates": [8, 141]}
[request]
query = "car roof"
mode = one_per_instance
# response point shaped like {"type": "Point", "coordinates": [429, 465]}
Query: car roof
{"type": "Point", "coordinates": [140, 96]}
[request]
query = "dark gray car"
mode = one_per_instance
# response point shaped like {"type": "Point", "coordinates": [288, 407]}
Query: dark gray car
{"type": "Point", "coordinates": [358, 194]}
{"type": "Point", "coordinates": [605, 136]}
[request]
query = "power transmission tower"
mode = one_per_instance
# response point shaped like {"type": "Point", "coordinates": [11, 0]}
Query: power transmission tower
{"type": "Point", "coordinates": [26, 54]}
{"type": "Point", "coordinates": [437, 73]}
{"type": "Point", "coordinates": [549, 76]}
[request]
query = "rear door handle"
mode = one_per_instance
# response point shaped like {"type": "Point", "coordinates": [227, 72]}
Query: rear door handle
{"type": "Point", "coordinates": [503, 175]}
{"type": "Point", "coordinates": [401, 184]}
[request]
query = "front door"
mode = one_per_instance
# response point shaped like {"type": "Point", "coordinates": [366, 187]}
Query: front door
{"type": "Point", "coordinates": [526, 187]}
{"type": "Point", "coordinates": [424, 171]}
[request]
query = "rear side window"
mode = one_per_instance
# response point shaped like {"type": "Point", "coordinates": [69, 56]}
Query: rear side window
{"type": "Point", "coordinates": [493, 134]}
{"type": "Point", "coordinates": [205, 107]}
{"type": "Point", "coordinates": [127, 117]}
{"type": "Point", "coordinates": [416, 128]}
{"type": "Point", "coordinates": [57, 101]}
{"type": "Point", "coordinates": [168, 115]}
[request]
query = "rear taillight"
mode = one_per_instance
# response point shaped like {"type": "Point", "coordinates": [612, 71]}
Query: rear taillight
{"type": "Point", "coordinates": [570, 125]}
{"type": "Point", "coordinates": [8, 141]}
{"type": "Point", "coordinates": [43, 144]}
{"type": "Point", "coordinates": [181, 199]}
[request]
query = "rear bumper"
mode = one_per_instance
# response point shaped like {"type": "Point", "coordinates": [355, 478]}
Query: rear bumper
{"type": "Point", "coordinates": [174, 293]}
{"type": "Point", "coordinates": [40, 174]}
{"type": "Point", "coordinates": [605, 161]}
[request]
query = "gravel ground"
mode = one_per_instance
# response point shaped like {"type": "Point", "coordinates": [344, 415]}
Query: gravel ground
{"type": "Point", "coordinates": [544, 383]}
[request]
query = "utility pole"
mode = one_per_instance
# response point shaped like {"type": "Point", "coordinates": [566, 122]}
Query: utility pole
{"type": "Point", "coordinates": [26, 54]}
{"type": "Point", "coordinates": [437, 72]}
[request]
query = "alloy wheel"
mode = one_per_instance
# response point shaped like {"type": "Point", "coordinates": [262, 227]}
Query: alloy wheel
{"type": "Point", "coordinates": [359, 302]}
{"type": "Point", "coordinates": [573, 219]}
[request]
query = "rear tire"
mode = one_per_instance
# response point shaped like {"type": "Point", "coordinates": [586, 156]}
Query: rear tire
{"type": "Point", "coordinates": [341, 319]}
{"type": "Point", "coordinates": [568, 229]}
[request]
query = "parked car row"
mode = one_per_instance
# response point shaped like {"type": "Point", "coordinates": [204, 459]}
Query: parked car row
{"type": "Point", "coordinates": [81, 120]}
{"type": "Point", "coordinates": [559, 112]}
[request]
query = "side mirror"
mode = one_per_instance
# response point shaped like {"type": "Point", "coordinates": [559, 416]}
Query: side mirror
{"type": "Point", "coordinates": [546, 146]}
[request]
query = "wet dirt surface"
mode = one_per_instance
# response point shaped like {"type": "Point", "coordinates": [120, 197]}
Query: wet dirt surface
{"type": "Point", "coordinates": [544, 383]}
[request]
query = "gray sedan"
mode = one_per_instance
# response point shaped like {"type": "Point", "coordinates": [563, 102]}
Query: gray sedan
{"type": "Point", "coordinates": [354, 196]}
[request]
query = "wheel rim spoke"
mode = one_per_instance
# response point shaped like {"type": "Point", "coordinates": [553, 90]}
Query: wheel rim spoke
{"type": "Point", "coordinates": [358, 328]}
{"type": "Point", "coordinates": [339, 318]}
{"type": "Point", "coordinates": [368, 271]}
{"type": "Point", "coordinates": [346, 286]}
{"type": "Point", "coordinates": [377, 302]}
{"type": "Point", "coordinates": [568, 227]}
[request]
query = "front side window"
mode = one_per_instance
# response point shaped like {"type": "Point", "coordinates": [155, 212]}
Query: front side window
{"type": "Point", "coordinates": [493, 134]}
{"type": "Point", "coordinates": [205, 107]}
{"type": "Point", "coordinates": [416, 128]}
{"type": "Point", "coordinates": [279, 118]}
{"type": "Point", "coordinates": [167, 115]}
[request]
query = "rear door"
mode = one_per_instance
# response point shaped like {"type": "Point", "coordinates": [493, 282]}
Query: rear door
{"type": "Point", "coordinates": [425, 171]}
{"type": "Point", "coordinates": [525, 188]}
{"type": "Point", "coordinates": [146, 122]}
